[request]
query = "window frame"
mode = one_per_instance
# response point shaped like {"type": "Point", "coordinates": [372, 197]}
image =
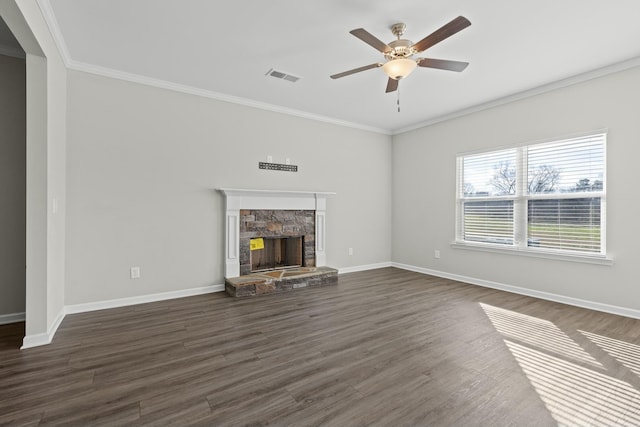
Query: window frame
{"type": "Point", "coordinates": [521, 199]}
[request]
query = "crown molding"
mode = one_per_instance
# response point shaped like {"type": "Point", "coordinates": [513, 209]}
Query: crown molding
{"type": "Point", "coordinates": [51, 21]}
{"type": "Point", "coordinates": [176, 87]}
{"type": "Point", "coordinates": [569, 81]}
{"type": "Point", "coordinates": [54, 28]}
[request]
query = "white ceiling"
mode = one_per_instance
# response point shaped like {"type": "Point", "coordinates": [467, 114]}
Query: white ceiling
{"type": "Point", "coordinates": [224, 49]}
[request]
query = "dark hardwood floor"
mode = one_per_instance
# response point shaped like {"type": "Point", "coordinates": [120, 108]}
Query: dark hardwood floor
{"type": "Point", "coordinates": [385, 347]}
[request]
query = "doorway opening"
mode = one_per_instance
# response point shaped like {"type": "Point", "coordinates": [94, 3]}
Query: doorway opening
{"type": "Point", "coordinates": [13, 159]}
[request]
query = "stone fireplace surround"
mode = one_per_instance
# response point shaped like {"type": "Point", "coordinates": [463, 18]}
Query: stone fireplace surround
{"type": "Point", "coordinates": [278, 213]}
{"type": "Point", "coordinates": [277, 224]}
{"type": "Point", "coordinates": [244, 199]}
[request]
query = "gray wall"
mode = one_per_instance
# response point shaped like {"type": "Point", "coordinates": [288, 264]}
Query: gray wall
{"type": "Point", "coordinates": [142, 166]}
{"type": "Point", "coordinates": [424, 178]}
{"type": "Point", "coordinates": [12, 185]}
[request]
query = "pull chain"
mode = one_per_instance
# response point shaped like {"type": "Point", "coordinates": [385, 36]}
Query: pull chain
{"type": "Point", "coordinates": [398, 102]}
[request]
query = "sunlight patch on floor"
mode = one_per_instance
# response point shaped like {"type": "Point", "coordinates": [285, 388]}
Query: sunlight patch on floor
{"type": "Point", "coordinates": [626, 353]}
{"type": "Point", "coordinates": [573, 385]}
{"type": "Point", "coordinates": [575, 395]}
{"type": "Point", "coordinates": [538, 332]}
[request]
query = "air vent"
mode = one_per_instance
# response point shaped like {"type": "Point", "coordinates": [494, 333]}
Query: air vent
{"type": "Point", "coordinates": [281, 75]}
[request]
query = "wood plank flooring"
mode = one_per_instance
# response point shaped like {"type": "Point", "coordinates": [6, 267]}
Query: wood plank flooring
{"type": "Point", "coordinates": [384, 347]}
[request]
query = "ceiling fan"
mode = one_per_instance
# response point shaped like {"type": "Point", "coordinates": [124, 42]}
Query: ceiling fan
{"type": "Point", "coordinates": [398, 53]}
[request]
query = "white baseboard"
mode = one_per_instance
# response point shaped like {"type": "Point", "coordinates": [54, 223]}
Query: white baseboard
{"type": "Point", "coordinates": [5, 319]}
{"type": "Point", "coordinates": [37, 340]}
{"type": "Point", "coordinates": [46, 338]}
{"type": "Point", "coordinates": [592, 305]}
{"type": "Point", "coordinates": [142, 299]}
{"type": "Point", "coordinates": [363, 267]}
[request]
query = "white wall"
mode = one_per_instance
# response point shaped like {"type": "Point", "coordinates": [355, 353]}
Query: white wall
{"type": "Point", "coordinates": [142, 166]}
{"type": "Point", "coordinates": [46, 154]}
{"type": "Point", "coordinates": [12, 185]}
{"type": "Point", "coordinates": [424, 179]}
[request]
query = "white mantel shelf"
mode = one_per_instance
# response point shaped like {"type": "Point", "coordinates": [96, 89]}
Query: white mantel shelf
{"type": "Point", "coordinates": [237, 199]}
{"type": "Point", "coordinates": [271, 193]}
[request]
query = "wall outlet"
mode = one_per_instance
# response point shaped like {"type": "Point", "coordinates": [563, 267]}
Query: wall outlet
{"type": "Point", "coordinates": [287, 161]}
{"type": "Point", "coordinates": [350, 251]}
{"type": "Point", "coordinates": [436, 254]}
{"type": "Point", "coordinates": [135, 272]}
{"type": "Point", "coordinates": [269, 159]}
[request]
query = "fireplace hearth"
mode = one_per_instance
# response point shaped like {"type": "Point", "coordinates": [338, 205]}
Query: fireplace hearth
{"type": "Point", "coordinates": [271, 282]}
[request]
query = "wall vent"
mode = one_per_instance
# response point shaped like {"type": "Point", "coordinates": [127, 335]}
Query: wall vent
{"type": "Point", "coordinates": [282, 75]}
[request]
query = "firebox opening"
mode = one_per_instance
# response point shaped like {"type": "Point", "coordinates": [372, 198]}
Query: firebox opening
{"type": "Point", "coordinates": [278, 253]}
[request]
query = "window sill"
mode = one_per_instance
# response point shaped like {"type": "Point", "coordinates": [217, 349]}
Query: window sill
{"type": "Point", "coordinates": [595, 259]}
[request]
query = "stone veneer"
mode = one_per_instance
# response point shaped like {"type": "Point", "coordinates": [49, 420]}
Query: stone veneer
{"type": "Point", "coordinates": [276, 223]}
{"type": "Point", "coordinates": [242, 199]}
{"type": "Point", "coordinates": [281, 280]}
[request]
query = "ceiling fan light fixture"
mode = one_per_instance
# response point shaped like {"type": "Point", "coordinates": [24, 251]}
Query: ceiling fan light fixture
{"type": "Point", "coordinates": [399, 68]}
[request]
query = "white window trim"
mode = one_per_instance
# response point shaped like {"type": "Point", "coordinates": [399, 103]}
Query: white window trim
{"type": "Point", "coordinates": [520, 203]}
{"type": "Point", "coordinates": [533, 252]}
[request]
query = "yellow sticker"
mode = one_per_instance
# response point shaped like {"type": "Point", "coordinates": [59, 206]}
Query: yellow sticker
{"type": "Point", "coordinates": [256, 244]}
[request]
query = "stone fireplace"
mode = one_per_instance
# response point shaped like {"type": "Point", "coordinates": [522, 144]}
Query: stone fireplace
{"type": "Point", "coordinates": [275, 239]}
{"type": "Point", "coordinates": [266, 214]}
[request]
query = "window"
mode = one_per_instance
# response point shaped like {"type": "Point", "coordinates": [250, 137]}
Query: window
{"type": "Point", "coordinates": [547, 197]}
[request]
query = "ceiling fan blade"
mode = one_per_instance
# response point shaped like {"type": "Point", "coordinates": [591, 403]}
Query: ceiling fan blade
{"type": "Point", "coordinates": [392, 85]}
{"type": "Point", "coordinates": [356, 70]}
{"type": "Point", "coordinates": [370, 39]}
{"type": "Point", "coordinates": [442, 64]}
{"type": "Point", "coordinates": [447, 30]}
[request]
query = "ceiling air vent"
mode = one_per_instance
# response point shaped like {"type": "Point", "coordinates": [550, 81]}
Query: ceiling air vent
{"type": "Point", "coordinates": [281, 75]}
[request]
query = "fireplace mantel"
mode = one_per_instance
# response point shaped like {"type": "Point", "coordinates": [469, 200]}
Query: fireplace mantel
{"type": "Point", "coordinates": [237, 199]}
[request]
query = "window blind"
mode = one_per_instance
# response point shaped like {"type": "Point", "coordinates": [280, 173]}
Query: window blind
{"type": "Point", "coordinates": [567, 171]}
{"type": "Point", "coordinates": [547, 196]}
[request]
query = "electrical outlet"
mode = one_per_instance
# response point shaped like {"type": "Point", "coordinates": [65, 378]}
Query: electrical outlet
{"type": "Point", "coordinates": [269, 159]}
{"type": "Point", "coordinates": [350, 251]}
{"type": "Point", "coordinates": [436, 254]}
{"type": "Point", "coordinates": [135, 272]}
